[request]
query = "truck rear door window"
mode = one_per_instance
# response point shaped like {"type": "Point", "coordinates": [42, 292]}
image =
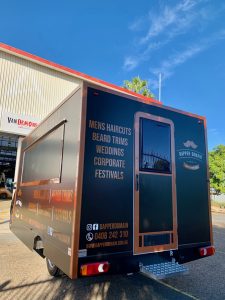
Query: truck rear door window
{"type": "Point", "coordinates": [155, 146]}
{"type": "Point", "coordinates": [43, 159]}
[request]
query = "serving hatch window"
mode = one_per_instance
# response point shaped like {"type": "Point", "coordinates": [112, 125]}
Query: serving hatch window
{"type": "Point", "coordinates": [43, 159]}
{"type": "Point", "coordinates": [155, 146]}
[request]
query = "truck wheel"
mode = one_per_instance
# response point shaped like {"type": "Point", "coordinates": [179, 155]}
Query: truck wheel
{"type": "Point", "coordinates": [52, 268]}
{"type": "Point", "coordinates": [3, 196]}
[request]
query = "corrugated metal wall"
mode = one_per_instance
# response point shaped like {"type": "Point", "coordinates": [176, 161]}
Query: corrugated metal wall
{"type": "Point", "coordinates": [30, 89]}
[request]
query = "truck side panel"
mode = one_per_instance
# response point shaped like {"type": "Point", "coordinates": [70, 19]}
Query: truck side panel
{"type": "Point", "coordinates": [45, 197]}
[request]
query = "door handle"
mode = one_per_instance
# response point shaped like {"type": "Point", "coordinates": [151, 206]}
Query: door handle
{"type": "Point", "coordinates": [137, 182]}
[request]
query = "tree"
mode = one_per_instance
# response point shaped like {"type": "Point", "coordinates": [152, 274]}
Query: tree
{"type": "Point", "coordinates": [217, 169]}
{"type": "Point", "coordinates": [139, 86]}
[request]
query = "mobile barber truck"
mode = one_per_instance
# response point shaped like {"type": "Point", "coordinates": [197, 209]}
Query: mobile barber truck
{"type": "Point", "coordinates": [113, 182]}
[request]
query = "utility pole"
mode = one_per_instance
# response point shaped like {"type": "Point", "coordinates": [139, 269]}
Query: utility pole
{"type": "Point", "coordinates": [160, 85]}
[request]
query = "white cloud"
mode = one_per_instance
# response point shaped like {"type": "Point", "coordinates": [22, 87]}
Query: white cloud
{"type": "Point", "coordinates": [179, 16]}
{"type": "Point", "coordinates": [167, 66]}
{"type": "Point", "coordinates": [130, 63]}
{"type": "Point", "coordinates": [189, 19]}
{"type": "Point", "coordinates": [213, 131]}
{"type": "Point", "coordinates": [172, 22]}
{"type": "Point", "coordinates": [153, 83]}
{"type": "Point", "coordinates": [173, 61]}
{"type": "Point", "coordinates": [138, 24]}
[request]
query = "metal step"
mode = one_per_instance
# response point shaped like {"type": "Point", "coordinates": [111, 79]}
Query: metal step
{"type": "Point", "coordinates": [163, 270]}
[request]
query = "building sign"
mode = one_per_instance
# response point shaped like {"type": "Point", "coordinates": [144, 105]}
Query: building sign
{"type": "Point", "coordinates": [190, 156]}
{"type": "Point", "coordinates": [18, 124]}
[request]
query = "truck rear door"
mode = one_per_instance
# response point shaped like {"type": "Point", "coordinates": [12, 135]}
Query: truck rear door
{"type": "Point", "coordinates": [155, 213]}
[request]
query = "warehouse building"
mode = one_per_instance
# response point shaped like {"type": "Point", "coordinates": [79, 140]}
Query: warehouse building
{"type": "Point", "coordinates": [30, 88]}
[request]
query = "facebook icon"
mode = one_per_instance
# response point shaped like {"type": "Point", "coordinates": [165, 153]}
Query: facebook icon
{"type": "Point", "coordinates": [95, 226]}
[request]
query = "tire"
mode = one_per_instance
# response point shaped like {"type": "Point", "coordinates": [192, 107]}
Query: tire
{"type": "Point", "coordinates": [52, 268]}
{"type": "Point", "coordinates": [3, 196]}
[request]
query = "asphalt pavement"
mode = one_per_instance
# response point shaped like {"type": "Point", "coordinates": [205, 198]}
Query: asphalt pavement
{"type": "Point", "coordinates": [23, 275]}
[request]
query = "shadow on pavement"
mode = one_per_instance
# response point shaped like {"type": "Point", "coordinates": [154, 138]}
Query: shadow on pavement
{"type": "Point", "coordinates": [205, 279]}
{"type": "Point", "coordinates": [6, 221]}
{"type": "Point", "coordinates": [4, 284]}
{"type": "Point", "coordinates": [105, 287]}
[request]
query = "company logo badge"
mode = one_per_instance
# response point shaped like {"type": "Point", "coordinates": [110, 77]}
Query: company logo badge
{"type": "Point", "coordinates": [22, 123]}
{"type": "Point", "coordinates": [191, 158]}
{"type": "Point", "coordinates": [190, 144]}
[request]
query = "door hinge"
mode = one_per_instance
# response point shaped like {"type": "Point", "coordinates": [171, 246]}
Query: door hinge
{"type": "Point", "coordinates": [137, 182]}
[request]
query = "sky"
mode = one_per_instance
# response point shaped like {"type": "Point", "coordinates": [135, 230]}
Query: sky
{"type": "Point", "coordinates": [117, 40]}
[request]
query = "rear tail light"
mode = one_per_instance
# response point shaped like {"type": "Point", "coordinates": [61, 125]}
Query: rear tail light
{"type": "Point", "coordinates": [94, 268]}
{"type": "Point", "coordinates": [207, 251]}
